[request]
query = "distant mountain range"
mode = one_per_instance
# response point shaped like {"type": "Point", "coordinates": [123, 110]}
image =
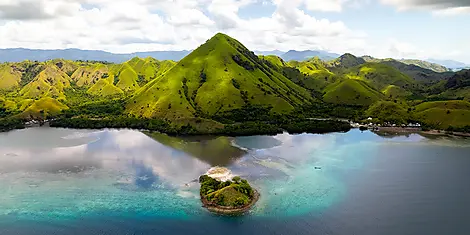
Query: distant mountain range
{"type": "Point", "coordinates": [20, 54]}
{"type": "Point", "coordinates": [451, 64]}
{"type": "Point", "coordinates": [305, 55]}
{"type": "Point", "coordinates": [300, 55]}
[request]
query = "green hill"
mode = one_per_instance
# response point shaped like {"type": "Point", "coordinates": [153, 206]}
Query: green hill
{"type": "Point", "coordinates": [89, 74]}
{"type": "Point", "coordinates": [346, 61]}
{"type": "Point", "coordinates": [387, 111]}
{"type": "Point", "coordinates": [395, 92]}
{"type": "Point", "coordinates": [274, 61]}
{"type": "Point", "coordinates": [380, 76]}
{"type": "Point", "coordinates": [426, 65]}
{"type": "Point", "coordinates": [315, 75]}
{"type": "Point", "coordinates": [43, 108]}
{"type": "Point", "coordinates": [66, 66]}
{"type": "Point", "coordinates": [418, 63]}
{"type": "Point", "coordinates": [351, 92]}
{"type": "Point", "coordinates": [49, 82]}
{"type": "Point", "coordinates": [149, 68]}
{"type": "Point", "coordinates": [219, 76]}
{"type": "Point", "coordinates": [10, 76]}
{"type": "Point", "coordinates": [442, 114]}
{"type": "Point", "coordinates": [105, 88]}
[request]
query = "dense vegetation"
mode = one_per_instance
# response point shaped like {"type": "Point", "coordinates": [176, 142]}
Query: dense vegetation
{"type": "Point", "coordinates": [224, 88]}
{"type": "Point", "coordinates": [233, 194]}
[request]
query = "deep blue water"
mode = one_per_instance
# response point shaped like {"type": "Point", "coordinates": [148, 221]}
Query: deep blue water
{"type": "Point", "coordinates": [57, 181]}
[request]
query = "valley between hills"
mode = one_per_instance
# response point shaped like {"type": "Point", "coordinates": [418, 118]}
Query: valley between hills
{"type": "Point", "coordinates": [224, 88]}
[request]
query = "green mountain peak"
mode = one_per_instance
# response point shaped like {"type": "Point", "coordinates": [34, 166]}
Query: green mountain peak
{"type": "Point", "coordinates": [218, 76]}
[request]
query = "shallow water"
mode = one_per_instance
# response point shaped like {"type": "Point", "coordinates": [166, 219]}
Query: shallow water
{"type": "Point", "coordinates": [58, 181]}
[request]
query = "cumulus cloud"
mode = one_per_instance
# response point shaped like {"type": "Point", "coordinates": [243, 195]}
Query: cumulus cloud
{"type": "Point", "coordinates": [141, 25]}
{"type": "Point", "coordinates": [34, 9]}
{"type": "Point", "coordinates": [124, 26]}
{"type": "Point", "coordinates": [439, 6]}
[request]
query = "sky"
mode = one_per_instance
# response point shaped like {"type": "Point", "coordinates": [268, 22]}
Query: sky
{"type": "Point", "coordinates": [417, 29]}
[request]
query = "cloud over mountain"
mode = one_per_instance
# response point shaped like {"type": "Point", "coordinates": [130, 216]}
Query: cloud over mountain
{"type": "Point", "coordinates": [124, 26]}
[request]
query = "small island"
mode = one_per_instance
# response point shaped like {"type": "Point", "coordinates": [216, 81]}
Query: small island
{"type": "Point", "coordinates": [221, 195]}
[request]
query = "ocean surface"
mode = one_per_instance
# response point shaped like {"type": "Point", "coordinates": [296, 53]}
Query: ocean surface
{"type": "Point", "coordinates": [62, 181]}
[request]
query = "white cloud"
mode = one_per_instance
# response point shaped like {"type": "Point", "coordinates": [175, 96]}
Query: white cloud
{"type": "Point", "coordinates": [440, 7]}
{"type": "Point", "coordinates": [147, 25]}
{"type": "Point", "coordinates": [141, 25]}
{"type": "Point", "coordinates": [325, 5]}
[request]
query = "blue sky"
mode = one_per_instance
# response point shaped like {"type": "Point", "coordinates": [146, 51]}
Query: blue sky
{"type": "Point", "coordinates": [382, 28]}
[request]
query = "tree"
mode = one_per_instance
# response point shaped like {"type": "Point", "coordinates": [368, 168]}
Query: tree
{"type": "Point", "coordinates": [236, 179]}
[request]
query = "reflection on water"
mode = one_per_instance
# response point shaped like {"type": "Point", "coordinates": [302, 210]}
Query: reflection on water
{"type": "Point", "coordinates": [54, 174]}
{"type": "Point", "coordinates": [216, 151]}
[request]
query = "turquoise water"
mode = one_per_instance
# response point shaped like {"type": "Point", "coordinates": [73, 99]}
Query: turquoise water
{"type": "Point", "coordinates": [124, 182]}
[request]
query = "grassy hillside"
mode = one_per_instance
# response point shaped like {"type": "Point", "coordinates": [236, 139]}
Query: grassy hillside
{"type": "Point", "coordinates": [10, 76]}
{"type": "Point", "coordinates": [388, 111]}
{"type": "Point", "coordinates": [442, 114]}
{"type": "Point", "coordinates": [346, 61]}
{"type": "Point", "coordinates": [395, 92]}
{"type": "Point", "coordinates": [49, 82]}
{"type": "Point", "coordinates": [66, 66]}
{"type": "Point", "coordinates": [351, 92]}
{"type": "Point", "coordinates": [105, 88]}
{"type": "Point", "coordinates": [379, 76]}
{"type": "Point", "coordinates": [224, 82]}
{"type": "Point", "coordinates": [426, 65]}
{"type": "Point", "coordinates": [418, 63]}
{"type": "Point", "coordinates": [315, 75]}
{"type": "Point", "coordinates": [219, 76]}
{"type": "Point", "coordinates": [89, 74]}
{"type": "Point", "coordinates": [44, 108]}
{"type": "Point", "coordinates": [418, 73]}
{"type": "Point", "coordinates": [149, 68]}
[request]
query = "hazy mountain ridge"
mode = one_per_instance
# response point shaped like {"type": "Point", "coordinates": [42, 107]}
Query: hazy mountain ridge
{"type": "Point", "coordinates": [21, 54]}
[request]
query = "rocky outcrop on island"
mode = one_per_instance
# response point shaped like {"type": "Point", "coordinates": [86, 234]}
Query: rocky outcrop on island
{"type": "Point", "coordinates": [222, 193]}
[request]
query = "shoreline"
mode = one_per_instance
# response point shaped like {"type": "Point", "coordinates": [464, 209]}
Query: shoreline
{"type": "Point", "coordinates": [249, 128]}
{"type": "Point", "coordinates": [223, 210]}
{"type": "Point", "coordinates": [414, 130]}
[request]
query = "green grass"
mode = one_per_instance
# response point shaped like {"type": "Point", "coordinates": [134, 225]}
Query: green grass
{"type": "Point", "coordinates": [443, 114]}
{"type": "Point", "coordinates": [379, 76]}
{"type": "Point", "coordinates": [388, 111]}
{"type": "Point", "coordinates": [50, 82]}
{"type": "Point", "coordinates": [9, 77]}
{"type": "Point", "coordinates": [44, 108]}
{"type": "Point", "coordinates": [104, 88]}
{"type": "Point", "coordinates": [351, 92]}
{"type": "Point", "coordinates": [315, 75]}
{"type": "Point", "coordinates": [394, 92]}
{"type": "Point", "coordinates": [8, 104]}
{"type": "Point", "coordinates": [127, 79]}
{"type": "Point", "coordinates": [275, 61]}
{"type": "Point", "coordinates": [345, 61]}
{"type": "Point", "coordinates": [66, 66]}
{"type": "Point", "coordinates": [230, 196]}
{"type": "Point", "coordinates": [458, 93]}
{"type": "Point", "coordinates": [209, 81]}
{"type": "Point", "coordinates": [90, 74]}
{"type": "Point", "coordinates": [223, 80]}
{"type": "Point", "coordinates": [451, 104]}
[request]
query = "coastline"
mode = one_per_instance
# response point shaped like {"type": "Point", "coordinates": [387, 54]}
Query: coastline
{"type": "Point", "coordinates": [204, 127]}
{"type": "Point", "coordinates": [224, 210]}
{"type": "Point", "coordinates": [414, 130]}
{"type": "Point", "coordinates": [445, 133]}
